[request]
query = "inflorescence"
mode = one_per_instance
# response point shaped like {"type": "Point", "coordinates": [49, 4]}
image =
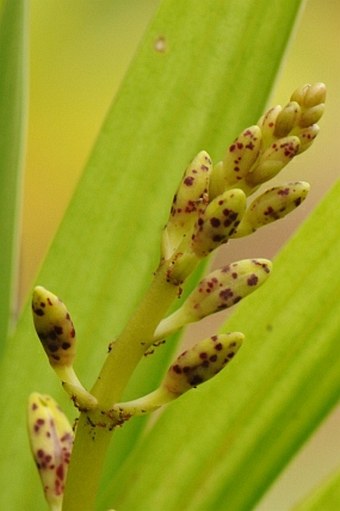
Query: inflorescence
{"type": "Point", "coordinates": [210, 207]}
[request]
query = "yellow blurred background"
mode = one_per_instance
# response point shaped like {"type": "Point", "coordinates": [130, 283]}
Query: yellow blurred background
{"type": "Point", "coordinates": [79, 53]}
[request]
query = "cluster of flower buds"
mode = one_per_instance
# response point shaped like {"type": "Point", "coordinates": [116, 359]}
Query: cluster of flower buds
{"type": "Point", "coordinates": [51, 440]}
{"type": "Point", "coordinates": [210, 205]}
{"type": "Point", "coordinates": [209, 208]}
{"type": "Point", "coordinates": [56, 332]}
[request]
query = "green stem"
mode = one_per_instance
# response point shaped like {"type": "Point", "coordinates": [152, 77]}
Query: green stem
{"type": "Point", "coordinates": [95, 428]}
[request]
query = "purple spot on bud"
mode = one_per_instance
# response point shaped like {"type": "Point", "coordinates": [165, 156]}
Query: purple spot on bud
{"type": "Point", "coordinates": [252, 280]}
{"type": "Point", "coordinates": [188, 181]}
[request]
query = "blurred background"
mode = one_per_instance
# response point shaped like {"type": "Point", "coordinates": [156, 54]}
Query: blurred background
{"type": "Point", "coordinates": [80, 51]}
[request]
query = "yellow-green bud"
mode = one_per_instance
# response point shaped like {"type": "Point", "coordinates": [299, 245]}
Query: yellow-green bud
{"type": "Point", "coordinates": [277, 156]}
{"type": "Point", "coordinates": [202, 362]}
{"type": "Point", "coordinates": [267, 125]}
{"type": "Point", "coordinates": [226, 286]}
{"type": "Point", "coordinates": [54, 327]}
{"type": "Point", "coordinates": [189, 201]}
{"type": "Point", "coordinates": [51, 440]}
{"type": "Point", "coordinates": [272, 205]}
{"type": "Point", "coordinates": [218, 222]}
{"type": "Point", "coordinates": [287, 119]}
{"type": "Point", "coordinates": [310, 95]}
{"type": "Point", "coordinates": [307, 136]}
{"type": "Point", "coordinates": [311, 116]}
{"type": "Point", "coordinates": [240, 157]}
{"type": "Point", "coordinates": [219, 290]}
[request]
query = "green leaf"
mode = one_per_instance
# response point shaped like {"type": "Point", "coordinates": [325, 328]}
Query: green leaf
{"type": "Point", "coordinates": [325, 497]}
{"type": "Point", "coordinates": [223, 445]}
{"type": "Point", "coordinates": [202, 73]}
{"type": "Point", "coordinates": [13, 85]}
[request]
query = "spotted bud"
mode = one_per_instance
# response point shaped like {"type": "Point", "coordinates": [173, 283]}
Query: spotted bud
{"type": "Point", "coordinates": [193, 367]}
{"type": "Point", "coordinates": [54, 327]}
{"type": "Point", "coordinates": [218, 222]}
{"type": "Point", "coordinates": [202, 362]}
{"type": "Point", "coordinates": [51, 440]}
{"type": "Point", "coordinates": [219, 290]}
{"type": "Point", "coordinates": [191, 199]}
{"type": "Point", "coordinates": [240, 157]}
{"type": "Point", "coordinates": [267, 124]}
{"type": "Point", "coordinates": [307, 136]}
{"type": "Point", "coordinates": [272, 205]}
{"type": "Point", "coordinates": [272, 161]}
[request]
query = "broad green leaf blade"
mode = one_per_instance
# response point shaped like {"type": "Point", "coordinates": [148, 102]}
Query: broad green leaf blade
{"type": "Point", "coordinates": [325, 497]}
{"type": "Point", "coordinates": [202, 74]}
{"type": "Point", "coordinates": [13, 84]}
{"type": "Point", "coordinates": [221, 446]}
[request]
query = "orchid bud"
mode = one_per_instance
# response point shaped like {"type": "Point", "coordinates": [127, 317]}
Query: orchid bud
{"type": "Point", "coordinates": [219, 290]}
{"type": "Point", "coordinates": [51, 440]}
{"type": "Point", "coordinates": [193, 367]}
{"type": "Point", "coordinates": [287, 119]}
{"type": "Point", "coordinates": [201, 362]}
{"type": "Point", "coordinates": [272, 205]}
{"type": "Point", "coordinates": [240, 157]}
{"type": "Point", "coordinates": [272, 161]}
{"type": "Point", "coordinates": [218, 222]}
{"type": "Point", "coordinates": [56, 332]}
{"type": "Point", "coordinates": [54, 327]}
{"type": "Point", "coordinates": [189, 201]}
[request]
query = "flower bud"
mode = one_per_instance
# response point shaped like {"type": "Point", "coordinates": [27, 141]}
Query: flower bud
{"type": "Point", "coordinates": [274, 159]}
{"type": "Point", "coordinates": [218, 222]}
{"type": "Point", "coordinates": [267, 125]}
{"type": "Point", "coordinates": [191, 198]}
{"type": "Point", "coordinates": [287, 119]}
{"type": "Point", "coordinates": [310, 95]}
{"type": "Point", "coordinates": [311, 116]}
{"type": "Point", "coordinates": [190, 369]}
{"type": "Point", "coordinates": [201, 362]}
{"type": "Point", "coordinates": [219, 290]}
{"type": "Point", "coordinates": [54, 327]}
{"type": "Point", "coordinates": [240, 157]}
{"type": "Point", "coordinates": [307, 136]}
{"type": "Point", "coordinates": [51, 440]}
{"type": "Point", "coordinates": [272, 205]}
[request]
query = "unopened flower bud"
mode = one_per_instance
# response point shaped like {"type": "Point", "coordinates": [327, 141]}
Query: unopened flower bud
{"type": "Point", "coordinates": [219, 290]}
{"type": "Point", "coordinates": [191, 198]}
{"type": "Point", "coordinates": [311, 116]}
{"type": "Point", "coordinates": [218, 222]}
{"type": "Point", "coordinates": [277, 156]}
{"type": "Point", "coordinates": [201, 362]}
{"type": "Point", "coordinates": [240, 157]}
{"type": "Point", "coordinates": [51, 440]}
{"type": "Point", "coordinates": [310, 95]}
{"type": "Point", "coordinates": [56, 332]}
{"type": "Point", "coordinates": [193, 367]}
{"type": "Point", "coordinates": [54, 327]}
{"type": "Point", "coordinates": [267, 125]}
{"type": "Point", "coordinates": [272, 205]}
{"type": "Point", "coordinates": [287, 119]}
{"type": "Point", "coordinates": [307, 136]}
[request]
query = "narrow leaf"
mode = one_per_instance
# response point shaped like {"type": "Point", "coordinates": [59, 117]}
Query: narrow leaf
{"type": "Point", "coordinates": [13, 85]}
{"type": "Point", "coordinates": [325, 497]}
